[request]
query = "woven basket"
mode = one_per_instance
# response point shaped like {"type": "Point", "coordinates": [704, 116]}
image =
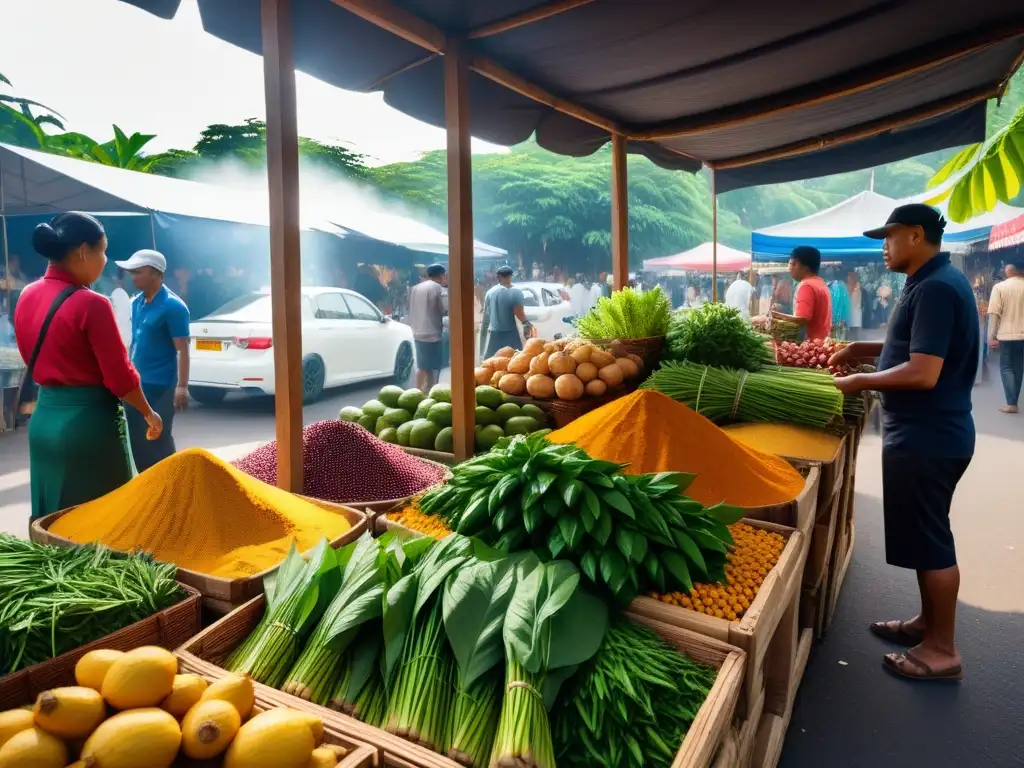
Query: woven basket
{"type": "Point", "coordinates": [169, 628]}
{"type": "Point", "coordinates": [428, 457]}
{"type": "Point", "coordinates": [650, 349]}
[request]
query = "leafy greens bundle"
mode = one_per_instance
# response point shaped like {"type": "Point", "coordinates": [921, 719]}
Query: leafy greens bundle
{"type": "Point", "coordinates": [627, 314]}
{"type": "Point", "coordinates": [716, 334]}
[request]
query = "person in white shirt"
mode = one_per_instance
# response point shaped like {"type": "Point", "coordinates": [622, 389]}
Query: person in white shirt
{"type": "Point", "coordinates": [122, 309]}
{"type": "Point", "coordinates": [579, 297]}
{"type": "Point", "coordinates": [1006, 332]}
{"type": "Point", "coordinates": [595, 294]}
{"type": "Point", "coordinates": [740, 294]}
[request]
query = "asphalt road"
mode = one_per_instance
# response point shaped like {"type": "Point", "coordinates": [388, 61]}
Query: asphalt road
{"type": "Point", "coordinates": [849, 712]}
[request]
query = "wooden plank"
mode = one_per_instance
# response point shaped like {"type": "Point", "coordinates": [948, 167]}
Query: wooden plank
{"type": "Point", "coordinates": [285, 270]}
{"type": "Point", "coordinates": [714, 239]}
{"type": "Point", "coordinates": [460, 247]}
{"type": "Point", "coordinates": [529, 16]}
{"type": "Point", "coordinates": [398, 21]}
{"type": "Point", "coordinates": [821, 541]}
{"type": "Point", "coordinates": [620, 213]}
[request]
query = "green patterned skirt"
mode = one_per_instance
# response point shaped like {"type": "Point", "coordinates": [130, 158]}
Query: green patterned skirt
{"type": "Point", "coordinates": [78, 447]}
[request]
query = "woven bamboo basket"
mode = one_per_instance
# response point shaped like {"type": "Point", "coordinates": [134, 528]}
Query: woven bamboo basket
{"type": "Point", "coordinates": [649, 349]}
{"type": "Point", "coordinates": [169, 628]}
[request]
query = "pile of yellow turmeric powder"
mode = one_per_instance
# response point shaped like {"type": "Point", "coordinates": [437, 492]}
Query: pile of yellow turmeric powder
{"type": "Point", "coordinates": [429, 525]}
{"type": "Point", "coordinates": [654, 433]}
{"type": "Point", "coordinates": [199, 512]}
{"type": "Point", "coordinates": [790, 440]}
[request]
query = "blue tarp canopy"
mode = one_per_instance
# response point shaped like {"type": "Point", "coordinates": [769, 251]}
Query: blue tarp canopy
{"type": "Point", "coordinates": [838, 231]}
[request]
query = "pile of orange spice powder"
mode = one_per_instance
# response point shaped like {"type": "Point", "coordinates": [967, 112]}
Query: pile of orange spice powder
{"type": "Point", "coordinates": [653, 433]}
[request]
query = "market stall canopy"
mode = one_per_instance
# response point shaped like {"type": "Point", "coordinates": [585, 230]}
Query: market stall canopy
{"type": "Point", "coordinates": [837, 231]}
{"type": "Point", "coordinates": [1009, 234]}
{"type": "Point", "coordinates": [763, 92]}
{"type": "Point", "coordinates": [699, 260]}
{"type": "Point", "coordinates": [39, 183]}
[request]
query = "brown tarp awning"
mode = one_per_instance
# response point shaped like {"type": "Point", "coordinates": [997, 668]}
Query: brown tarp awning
{"type": "Point", "coordinates": [763, 91]}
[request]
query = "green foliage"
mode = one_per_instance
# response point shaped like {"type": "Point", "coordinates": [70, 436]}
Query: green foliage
{"type": "Point", "coordinates": [627, 314]}
{"type": "Point", "coordinates": [715, 334]}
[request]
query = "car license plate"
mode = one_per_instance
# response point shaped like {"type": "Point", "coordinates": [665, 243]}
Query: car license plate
{"type": "Point", "coordinates": [205, 345]}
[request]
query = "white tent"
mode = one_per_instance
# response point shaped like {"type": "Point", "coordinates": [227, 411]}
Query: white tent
{"type": "Point", "coordinates": [34, 182]}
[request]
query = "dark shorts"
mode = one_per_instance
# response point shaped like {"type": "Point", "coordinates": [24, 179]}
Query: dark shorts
{"type": "Point", "coordinates": [145, 452]}
{"type": "Point", "coordinates": [917, 494]}
{"type": "Point", "coordinates": [428, 355]}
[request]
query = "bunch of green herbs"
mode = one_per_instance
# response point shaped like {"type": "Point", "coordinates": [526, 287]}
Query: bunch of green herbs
{"type": "Point", "coordinates": [716, 334]}
{"type": "Point", "coordinates": [628, 533]}
{"type": "Point", "coordinates": [56, 599]}
{"type": "Point", "coordinates": [631, 705]}
{"type": "Point", "coordinates": [627, 314]}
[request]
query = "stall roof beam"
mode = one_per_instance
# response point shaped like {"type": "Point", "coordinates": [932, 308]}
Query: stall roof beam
{"type": "Point", "coordinates": [839, 87]}
{"type": "Point", "coordinates": [516, 20]}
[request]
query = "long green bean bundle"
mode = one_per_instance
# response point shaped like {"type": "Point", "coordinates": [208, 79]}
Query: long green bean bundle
{"type": "Point", "coordinates": [772, 394]}
{"type": "Point", "coordinates": [55, 599]}
{"type": "Point", "coordinates": [631, 704]}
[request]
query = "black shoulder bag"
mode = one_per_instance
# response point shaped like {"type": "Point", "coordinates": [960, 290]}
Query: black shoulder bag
{"type": "Point", "coordinates": [28, 392]}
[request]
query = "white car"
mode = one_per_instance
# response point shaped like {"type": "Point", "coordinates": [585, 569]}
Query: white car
{"type": "Point", "coordinates": [345, 339]}
{"type": "Point", "coordinates": [547, 306]}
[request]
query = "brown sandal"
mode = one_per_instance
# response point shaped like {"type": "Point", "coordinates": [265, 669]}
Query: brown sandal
{"type": "Point", "coordinates": [897, 632]}
{"type": "Point", "coordinates": [896, 663]}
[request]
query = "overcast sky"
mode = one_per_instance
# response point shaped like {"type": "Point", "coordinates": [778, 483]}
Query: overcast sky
{"type": "Point", "coordinates": [100, 62]}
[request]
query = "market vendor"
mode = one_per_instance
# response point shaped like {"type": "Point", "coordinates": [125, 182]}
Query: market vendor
{"type": "Point", "coordinates": [812, 303]}
{"type": "Point", "coordinates": [926, 370]}
{"type": "Point", "coordinates": [159, 351]}
{"type": "Point", "coordinates": [77, 448]}
{"type": "Point", "coordinates": [503, 305]}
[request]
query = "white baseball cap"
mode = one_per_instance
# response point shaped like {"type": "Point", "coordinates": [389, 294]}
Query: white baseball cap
{"type": "Point", "coordinates": [144, 258]}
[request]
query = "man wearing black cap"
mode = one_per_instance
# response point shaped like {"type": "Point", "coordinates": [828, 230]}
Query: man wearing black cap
{"type": "Point", "coordinates": [428, 304]}
{"type": "Point", "coordinates": [503, 305]}
{"type": "Point", "coordinates": [926, 370]}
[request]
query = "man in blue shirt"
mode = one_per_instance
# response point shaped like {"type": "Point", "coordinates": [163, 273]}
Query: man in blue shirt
{"type": "Point", "coordinates": [159, 351]}
{"type": "Point", "coordinates": [926, 370]}
{"type": "Point", "coordinates": [503, 305]}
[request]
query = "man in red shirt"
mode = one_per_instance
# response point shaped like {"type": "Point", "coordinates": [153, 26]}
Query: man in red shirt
{"type": "Point", "coordinates": [812, 305]}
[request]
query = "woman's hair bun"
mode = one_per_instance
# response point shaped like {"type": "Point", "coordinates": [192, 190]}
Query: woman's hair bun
{"type": "Point", "coordinates": [53, 239]}
{"type": "Point", "coordinates": [47, 243]}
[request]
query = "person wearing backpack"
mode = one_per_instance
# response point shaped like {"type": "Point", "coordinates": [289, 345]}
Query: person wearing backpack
{"type": "Point", "coordinates": [68, 336]}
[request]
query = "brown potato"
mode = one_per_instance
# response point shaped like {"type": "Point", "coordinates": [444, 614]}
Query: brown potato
{"type": "Point", "coordinates": [561, 363]}
{"type": "Point", "coordinates": [534, 347]}
{"type": "Point", "coordinates": [611, 375]}
{"type": "Point", "coordinates": [483, 374]}
{"type": "Point", "coordinates": [581, 354]}
{"type": "Point", "coordinates": [540, 386]}
{"type": "Point", "coordinates": [600, 358]}
{"type": "Point", "coordinates": [596, 388]}
{"type": "Point", "coordinates": [505, 352]}
{"type": "Point", "coordinates": [539, 364]}
{"type": "Point", "coordinates": [512, 384]}
{"type": "Point", "coordinates": [568, 387]}
{"type": "Point", "coordinates": [586, 372]}
{"type": "Point", "coordinates": [498, 363]}
{"type": "Point", "coordinates": [519, 363]}
{"type": "Point", "coordinates": [629, 369]}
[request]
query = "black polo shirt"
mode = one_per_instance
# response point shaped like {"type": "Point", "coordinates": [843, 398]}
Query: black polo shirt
{"type": "Point", "coordinates": [934, 315]}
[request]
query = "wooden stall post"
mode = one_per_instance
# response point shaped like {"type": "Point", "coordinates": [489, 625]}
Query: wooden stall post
{"type": "Point", "coordinates": [285, 275]}
{"type": "Point", "coordinates": [460, 246]}
{"type": "Point", "coordinates": [620, 214]}
{"type": "Point", "coordinates": [714, 239]}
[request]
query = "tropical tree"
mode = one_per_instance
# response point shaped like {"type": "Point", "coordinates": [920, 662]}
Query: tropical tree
{"type": "Point", "coordinates": [20, 123]}
{"type": "Point", "coordinates": [123, 151]}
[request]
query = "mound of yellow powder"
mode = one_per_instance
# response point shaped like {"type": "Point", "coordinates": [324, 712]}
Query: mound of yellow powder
{"type": "Point", "coordinates": [199, 512]}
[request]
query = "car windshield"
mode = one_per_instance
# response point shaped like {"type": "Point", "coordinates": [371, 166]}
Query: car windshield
{"type": "Point", "coordinates": [529, 298]}
{"type": "Point", "coordinates": [253, 307]}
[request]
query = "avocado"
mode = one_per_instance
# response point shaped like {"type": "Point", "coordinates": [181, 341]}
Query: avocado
{"type": "Point", "coordinates": [367, 422]}
{"type": "Point", "coordinates": [444, 441]}
{"type": "Point", "coordinates": [508, 410]}
{"type": "Point", "coordinates": [396, 416]}
{"type": "Point", "coordinates": [485, 416]}
{"type": "Point", "coordinates": [389, 435]}
{"type": "Point", "coordinates": [389, 395]}
{"type": "Point", "coordinates": [441, 414]}
{"type": "Point", "coordinates": [529, 409]}
{"type": "Point", "coordinates": [410, 399]}
{"type": "Point", "coordinates": [520, 425]}
{"type": "Point", "coordinates": [488, 436]}
{"type": "Point", "coordinates": [374, 408]}
{"type": "Point", "coordinates": [489, 397]}
{"type": "Point", "coordinates": [404, 431]}
{"type": "Point", "coordinates": [350, 413]}
{"type": "Point", "coordinates": [423, 408]}
{"type": "Point", "coordinates": [441, 393]}
{"type": "Point", "coordinates": [424, 434]}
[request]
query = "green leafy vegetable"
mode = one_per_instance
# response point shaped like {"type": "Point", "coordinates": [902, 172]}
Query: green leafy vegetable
{"type": "Point", "coordinates": [627, 314]}
{"type": "Point", "coordinates": [716, 334]}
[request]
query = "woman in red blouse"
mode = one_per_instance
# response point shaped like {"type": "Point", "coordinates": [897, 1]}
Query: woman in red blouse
{"type": "Point", "coordinates": [77, 441]}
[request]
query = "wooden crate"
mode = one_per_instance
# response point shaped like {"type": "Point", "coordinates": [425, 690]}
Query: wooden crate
{"type": "Point", "coordinates": [821, 540]}
{"type": "Point", "coordinates": [168, 628]}
{"type": "Point", "coordinates": [219, 595]}
{"type": "Point", "coordinates": [799, 513]}
{"type": "Point", "coordinates": [739, 742]}
{"type": "Point", "coordinates": [843, 554]}
{"type": "Point", "coordinates": [771, 731]}
{"type": "Point", "coordinates": [754, 633]}
{"type": "Point", "coordinates": [833, 472]}
{"type": "Point", "coordinates": [706, 736]}
{"type": "Point", "coordinates": [360, 755]}
{"type": "Point", "coordinates": [208, 650]}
